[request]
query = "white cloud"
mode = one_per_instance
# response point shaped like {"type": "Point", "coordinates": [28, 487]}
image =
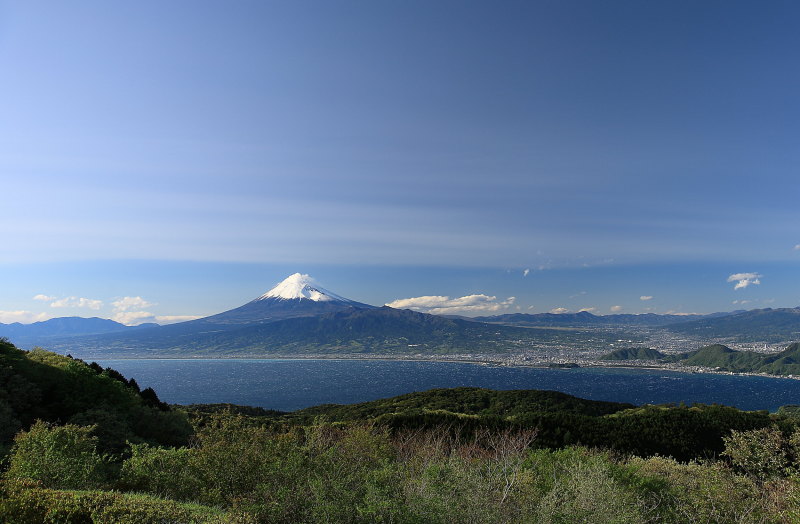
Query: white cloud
{"type": "Point", "coordinates": [741, 302]}
{"type": "Point", "coordinates": [616, 309]}
{"type": "Point", "coordinates": [129, 311]}
{"type": "Point", "coordinates": [78, 302]}
{"type": "Point", "coordinates": [23, 317]}
{"type": "Point", "coordinates": [745, 279]}
{"type": "Point", "coordinates": [587, 309]}
{"type": "Point", "coordinates": [646, 297]}
{"type": "Point", "coordinates": [133, 318]}
{"type": "Point", "coordinates": [531, 307]}
{"type": "Point", "coordinates": [443, 305]}
{"type": "Point", "coordinates": [44, 298]}
{"type": "Point", "coordinates": [171, 319]}
{"type": "Point", "coordinates": [559, 310]}
{"type": "Point", "coordinates": [797, 247]}
{"type": "Point", "coordinates": [525, 273]}
{"type": "Point", "coordinates": [131, 303]}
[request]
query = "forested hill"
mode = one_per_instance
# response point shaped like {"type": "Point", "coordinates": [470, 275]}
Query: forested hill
{"type": "Point", "coordinates": [633, 354]}
{"type": "Point", "coordinates": [787, 362]}
{"type": "Point", "coordinates": [468, 401]}
{"type": "Point", "coordinates": [40, 385]}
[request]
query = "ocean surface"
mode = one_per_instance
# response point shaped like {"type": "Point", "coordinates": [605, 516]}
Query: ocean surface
{"type": "Point", "coordinates": [286, 384]}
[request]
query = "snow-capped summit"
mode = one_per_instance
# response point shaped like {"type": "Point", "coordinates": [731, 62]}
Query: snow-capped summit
{"type": "Point", "coordinates": [300, 286]}
{"type": "Point", "coordinates": [297, 296]}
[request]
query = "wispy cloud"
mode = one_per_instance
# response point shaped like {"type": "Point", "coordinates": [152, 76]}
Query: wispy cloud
{"type": "Point", "coordinates": [133, 318]}
{"type": "Point", "coordinates": [44, 298]}
{"type": "Point", "coordinates": [525, 273]}
{"type": "Point", "coordinates": [616, 309]}
{"type": "Point", "coordinates": [646, 297]}
{"type": "Point", "coordinates": [131, 303]}
{"type": "Point", "coordinates": [797, 247]}
{"type": "Point", "coordinates": [130, 311]}
{"type": "Point", "coordinates": [77, 302]}
{"type": "Point", "coordinates": [23, 317]}
{"type": "Point", "coordinates": [171, 319]}
{"type": "Point", "coordinates": [745, 279]}
{"type": "Point", "coordinates": [444, 305]}
{"type": "Point", "coordinates": [559, 310]}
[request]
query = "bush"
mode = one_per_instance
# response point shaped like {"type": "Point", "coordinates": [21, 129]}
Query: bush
{"type": "Point", "coordinates": [165, 472]}
{"type": "Point", "coordinates": [760, 453]}
{"type": "Point", "coordinates": [709, 492]}
{"type": "Point", "coordinates": [62, 457]}
{"type": "Point", "coordinates": [25, 502]}
{"type": "Point", "coordinates": [579, 485]}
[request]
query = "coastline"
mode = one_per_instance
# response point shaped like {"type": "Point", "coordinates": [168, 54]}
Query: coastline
{"type": "Point", "coordinates": [464, 359]}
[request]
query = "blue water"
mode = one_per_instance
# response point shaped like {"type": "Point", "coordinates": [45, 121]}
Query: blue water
{"type": "Point", "coordinates": [287, 385]}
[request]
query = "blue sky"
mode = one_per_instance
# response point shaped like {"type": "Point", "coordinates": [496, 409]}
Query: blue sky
{"type": "Point", "coordinates": [192, 154]}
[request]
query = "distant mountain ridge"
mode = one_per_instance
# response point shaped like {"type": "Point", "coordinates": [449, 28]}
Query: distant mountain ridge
{"type": "Point", "coordinates": [355, 330]}
{"type": "Point", "coordinates": [64, 327]}
{"type": "Point", "coordinates": [298, 316]}
{"type": "Point", "coordinates": [585, 318]}
{"type": "Point", "coordinates": [757, 325]}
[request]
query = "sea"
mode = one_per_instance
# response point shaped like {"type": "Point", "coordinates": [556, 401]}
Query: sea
{"type": "Point", "coordinates": [291, 384]}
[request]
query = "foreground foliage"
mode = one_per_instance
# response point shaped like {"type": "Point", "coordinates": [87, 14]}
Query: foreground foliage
{"type": "Point", "coordinates": [357, 472]}
{"type": "Point", "coordinates": [444, 456]}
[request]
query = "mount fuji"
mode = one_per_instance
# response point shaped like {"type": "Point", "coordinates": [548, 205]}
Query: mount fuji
{"type": "Point", "coordinates": [299, 317]}
{"type": "Point", "coordinates": [296, 296]}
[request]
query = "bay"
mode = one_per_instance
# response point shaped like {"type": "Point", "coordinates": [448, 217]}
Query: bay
{"type": "Point", "coordinates": [287, 384]}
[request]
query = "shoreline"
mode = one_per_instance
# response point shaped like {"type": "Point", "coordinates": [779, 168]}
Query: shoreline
{"type": "Point", "coordinates": [467, 360]}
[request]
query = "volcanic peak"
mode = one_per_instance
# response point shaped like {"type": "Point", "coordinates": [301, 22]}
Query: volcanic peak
{"type": "Point", "coordinates": [299, 286]}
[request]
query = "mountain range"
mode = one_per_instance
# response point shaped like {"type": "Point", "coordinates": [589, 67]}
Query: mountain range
{"type": "Point", "coordinates": [298, 316]}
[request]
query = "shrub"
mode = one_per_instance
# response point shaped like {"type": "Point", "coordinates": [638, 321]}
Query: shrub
{"type": "Point", "coordinates": [760, 453]}
{"type": "Point", "coordinates": [63, 457]}
{"type": "Point", "coordinates": [710, 492]}
{"type": "Point", "coordinates": [579, 485]}
{"type": "Point", "coordinates": [25, 502]}
{"type": "Point", "coordinates": [165, 472]}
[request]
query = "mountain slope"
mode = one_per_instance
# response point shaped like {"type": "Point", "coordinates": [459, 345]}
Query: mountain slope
{"type": "Point", "coordinates": [296, 296]}
{"type": "Point", "coordinates": [355, 330]}
{"type": "Point", "coordinates": [758, 325]}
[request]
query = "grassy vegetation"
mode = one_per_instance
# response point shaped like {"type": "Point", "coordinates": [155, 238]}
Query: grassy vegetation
{"type": "Point", "coordinates": [463, 455]}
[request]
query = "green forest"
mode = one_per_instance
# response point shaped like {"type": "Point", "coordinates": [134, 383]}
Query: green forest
{"type": "Point", "coordinates": [80, 443]}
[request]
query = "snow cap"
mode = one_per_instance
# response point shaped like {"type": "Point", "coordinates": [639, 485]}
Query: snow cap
{"type": "Point", "coordinates": [300, 286]}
